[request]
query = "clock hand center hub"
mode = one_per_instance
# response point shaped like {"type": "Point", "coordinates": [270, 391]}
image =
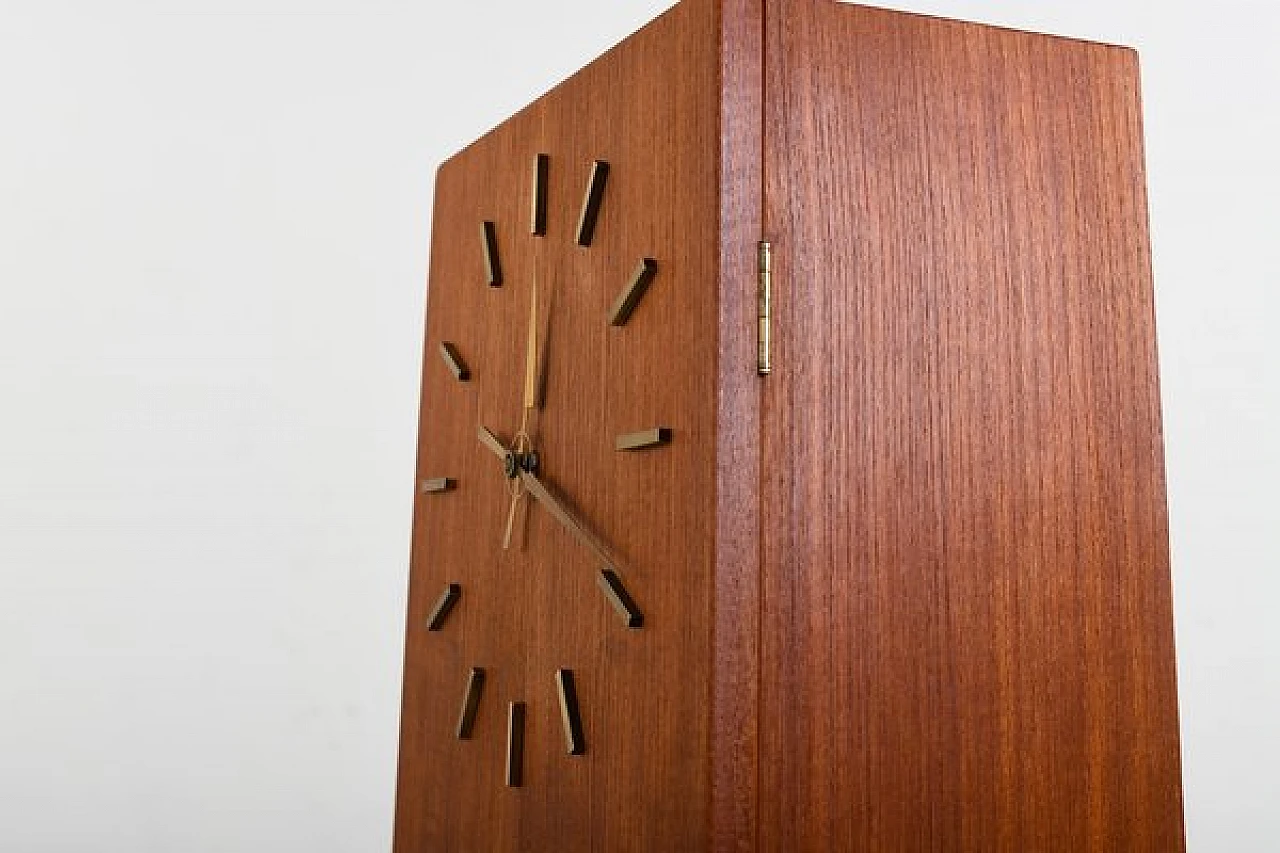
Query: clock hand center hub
{"type": "Point", "coordinates": [521, 457]}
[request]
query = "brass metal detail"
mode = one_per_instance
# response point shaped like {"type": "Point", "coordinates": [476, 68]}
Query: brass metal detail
{"type": "Point", "coordinates": [617, 594]}
{"type": "Point", "coordinates": [454, 362]}
{"type": "Point", "coordinates": [591, 204]}
{"type": "Point", "coordinates": [444, 604]}
{"type": "Point", "coordinates": [569, 714]}
{"type": "Point", "coordinates": [492, 264]}
{"type": "Point", "coordinates": [438, 485]}
{"type": "Point", "coordinates": [566, 518]}
{"type": "Point", "coordinates": [491, 441]}
{"type": "Point", "coordinates": [764, 314]}
{"type": "Point", "coordinates": [538, 214]}
{"type": "Point", "coordinates": [630, 297]}
{"type": "Point", "coordinates": [470, 704]}
{"type": "Point", "coordinates": [643, 440]}
{"type": "Point", "coordinates": [515, 745]}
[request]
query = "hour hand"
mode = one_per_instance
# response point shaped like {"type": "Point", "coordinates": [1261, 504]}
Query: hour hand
{"type": "Point", "coordinates": [489, 440]}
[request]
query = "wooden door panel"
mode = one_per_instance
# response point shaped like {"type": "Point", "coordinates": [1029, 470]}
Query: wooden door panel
{"type": "Point", "coordinates": [967, 629]}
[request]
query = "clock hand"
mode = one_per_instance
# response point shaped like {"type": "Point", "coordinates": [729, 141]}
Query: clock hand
{"type": "Point", "coordinates": [516, 494]}
{"type": "Point", "coordinates": [531, 358]}
{"type": "Point", "coordinates": [510, 465]}
{"type": "Point", "coordinates": [489, 440]}
{"type": "Point", "coordinates": [566, 518]}
{"type": "Point", "coordinates": [523, 444]}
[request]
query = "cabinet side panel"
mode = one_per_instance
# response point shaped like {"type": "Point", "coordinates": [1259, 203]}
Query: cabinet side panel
{"type": "Point", "coordinates": [966, 613]}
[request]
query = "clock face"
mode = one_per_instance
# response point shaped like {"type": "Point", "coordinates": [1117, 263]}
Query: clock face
{"type": "Point", "coordinates": [557, 658]}
{"type": "Point", "coordinates": [515, 444]}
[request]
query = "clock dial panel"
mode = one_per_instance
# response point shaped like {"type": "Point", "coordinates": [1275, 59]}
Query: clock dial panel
{"type": "Point", "coordinates": [584, 681]}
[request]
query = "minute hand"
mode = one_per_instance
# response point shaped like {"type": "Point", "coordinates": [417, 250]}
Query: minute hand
{"type": "Point", "coordinates": [562, 515]}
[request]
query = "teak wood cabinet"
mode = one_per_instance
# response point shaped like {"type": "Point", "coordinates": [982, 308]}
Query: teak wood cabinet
{"type": "Point", "coordinates": [791, 471]}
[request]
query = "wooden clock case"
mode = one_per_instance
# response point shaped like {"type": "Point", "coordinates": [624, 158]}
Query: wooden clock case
{"type": "Point", "coordinates": [908, 592]}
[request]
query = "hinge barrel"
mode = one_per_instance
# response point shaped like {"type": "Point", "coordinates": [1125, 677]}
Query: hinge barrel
{"type": "Point", "coordinates": [764, 313]}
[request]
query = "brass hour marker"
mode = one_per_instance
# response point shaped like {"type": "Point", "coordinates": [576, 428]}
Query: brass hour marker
{"type": "Point", "coordinates": [630, 297]}
{"type": "Point", "coordinates": [569, 712]}
{"type": "Point", "coordinates": [538, 215]}
{"type": "Point", "coordinates": [643, 440]}
{"type": "Point", "coordinates": [515, 745]}
{"type": "Point", "coordinates": [444, 604]}
{"type": "Point", "coordinates": [470, 704]}
{"type": "Point", "coordinates": [454, 362]}
{"type": "Point", "coordinates": [591, 204]}
{"type": "Point", "coordinates": [613, 589]}
{"type": "Point", "coordinates": [492, 265]}
{"type": "Point", "coordinates": [438, 485]}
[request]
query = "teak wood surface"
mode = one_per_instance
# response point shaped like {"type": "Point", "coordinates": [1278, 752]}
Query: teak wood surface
{"type": "Point", "coordinates": [650, 109]}
{"type": "Point", "coordinates": [967, 639]}
{"type": "Point", "coordinates": [910, 592]}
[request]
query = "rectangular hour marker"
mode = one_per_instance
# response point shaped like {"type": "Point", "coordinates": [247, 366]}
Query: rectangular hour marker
{"type": "Point", "coordinates": [515, 745]}
{"type": "Point", "coordinates": [444, 604]}
{"type": "Point", "coordinates": [492, 265]}
{"type": "Point", "coordinates": [438, 485]}
{"type": "Point", "coordinates": [643, 440]}
{"type": "Point", "coordinates": [591, 204]}
{"type": "Point", "coordinates": [470, 704]}
{"type": "Point", "coordinates": [613, 589]}
{"type": "Point", "coordinates": [454, 362]}
{"type": "Point", "coordinates": [538, 215]}
{"type": "Point", "coordinates": [630, 297]}
{"type": "Point", "coordinates": [569, 715]}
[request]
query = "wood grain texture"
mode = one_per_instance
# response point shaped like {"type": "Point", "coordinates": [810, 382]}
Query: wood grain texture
{"type": "Point", "coordinates": [967, 628]}
{"type": "Point", "coordinates": [736, 652]}
{"type": "Point", "coordinates": [650, 108]}
{"type": "Point", "coordinates": [909, 593]}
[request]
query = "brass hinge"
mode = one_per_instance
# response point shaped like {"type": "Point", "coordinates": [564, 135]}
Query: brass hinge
{"type": "Point", "coordinates": [764, 312]}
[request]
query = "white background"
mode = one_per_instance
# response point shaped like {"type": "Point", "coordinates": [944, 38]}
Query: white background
{"type": "Point", "coordinates": [213, 247]}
